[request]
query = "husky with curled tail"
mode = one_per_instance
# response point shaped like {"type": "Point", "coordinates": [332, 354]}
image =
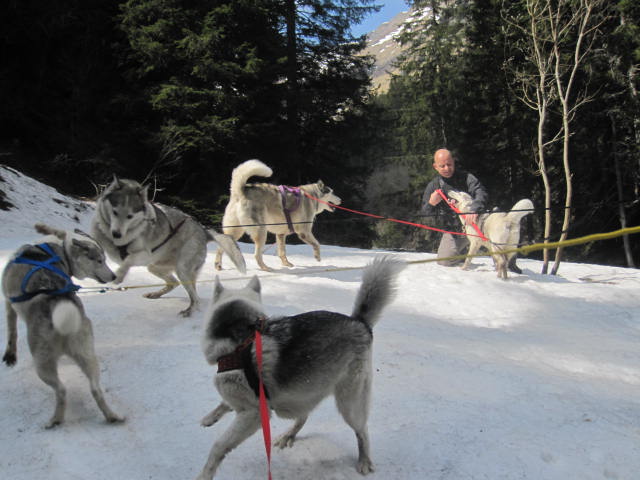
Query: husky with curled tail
{"type": "Point", "coordinates": [258, 208]}
{"type": "Point", "coordinates": [37, 286]}
{"type": "Point", "coordinates": [502, 230]}
{"type": "Point", "coordinates": [306, 357]}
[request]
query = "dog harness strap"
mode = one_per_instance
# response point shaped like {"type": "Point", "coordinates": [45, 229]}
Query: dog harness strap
{"type": "Point", "coordinates": [37, 265]}
{"type": "Point", "coordinates": [453, 207]}
{"type": "Point", "coordinates": [241, 359]}
{"type": "Point", "coordinates": [287, 211]}
{"type": "Point", "coordinates": [172, 232]}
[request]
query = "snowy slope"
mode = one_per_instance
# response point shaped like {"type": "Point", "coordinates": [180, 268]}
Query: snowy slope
{"type": "Point", "coordinates": [474, 378]}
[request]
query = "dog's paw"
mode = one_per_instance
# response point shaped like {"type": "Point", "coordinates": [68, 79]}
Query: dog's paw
{"type": "Point", "coordinates": [215, 415]}
{"type": "Point", "coordinates": [10, 359]}
{"type": "Point", "coordinates": [113, 418]}
{"type": "Point", "coordinates": [53, 423]}
{"type": "Point", "coordinates": [285, 441]}
{"type": "Point", "coordinates": [211, 419]}
{"type": "Point", "coordinates": [365, 466]}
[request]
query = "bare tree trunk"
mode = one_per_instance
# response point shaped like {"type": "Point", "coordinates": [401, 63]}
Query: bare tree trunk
{"type": "Point", "coordinates": [621, 213]}
{"type": "Point", "coordinates": [545, 180]}
{"type": "Point", "coordinates": [562, 21]}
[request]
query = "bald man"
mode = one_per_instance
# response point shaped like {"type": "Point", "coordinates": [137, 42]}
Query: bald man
{"type": "Point", "coordinates": [450, 178]}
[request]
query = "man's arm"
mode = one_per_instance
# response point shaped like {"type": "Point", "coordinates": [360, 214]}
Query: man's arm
{"type": "Point", "coordinates": [428, 205]}
{"type": "Point", "coordinates": [478, 192]}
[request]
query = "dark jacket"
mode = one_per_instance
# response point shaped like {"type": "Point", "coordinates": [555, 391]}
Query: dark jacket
{"type": "Point", "coordinates": [442, 213]}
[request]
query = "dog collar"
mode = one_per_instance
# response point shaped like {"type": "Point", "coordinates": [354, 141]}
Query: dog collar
{"type": "Point", "coordinates": [241, 359]}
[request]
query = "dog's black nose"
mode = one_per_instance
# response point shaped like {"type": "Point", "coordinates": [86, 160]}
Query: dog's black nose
{"type": "Point", "coordinates": [116, 234]}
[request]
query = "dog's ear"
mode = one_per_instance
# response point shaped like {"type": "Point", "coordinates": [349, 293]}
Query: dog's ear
{"type": "Point", "coordinates": [47, 230]}
{"type": "Point", "coordinates": [254, 284]}
{"type": "Point", "coordinates": [116, 182]}
{"type": "Point", "coordinates": [217, 289]}
{"type": "Point", "coordinates": [143, 191]}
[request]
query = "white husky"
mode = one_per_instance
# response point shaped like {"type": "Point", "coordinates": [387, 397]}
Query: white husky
{"type": "Point", "coordinates": [256, 208]}
{"type": "Point", "coordinates": [501, 228]}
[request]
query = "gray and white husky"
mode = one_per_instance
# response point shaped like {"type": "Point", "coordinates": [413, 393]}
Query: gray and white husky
{"type": "Point", "coordinates": [306, 358]}
{"type": "Point", "coordinates": [37, 286]}
{"type": "Point", "coordinates": [256, 208]}
{"type": "Point", "coordinates": [501, 228]}
{"type": "Point", "coordinates": [137, 232]}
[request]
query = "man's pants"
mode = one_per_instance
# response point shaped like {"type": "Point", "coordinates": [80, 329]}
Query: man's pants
{"type": "Point", "coordinates": [450, 246]}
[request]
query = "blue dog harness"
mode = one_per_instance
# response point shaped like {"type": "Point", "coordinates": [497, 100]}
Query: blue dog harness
{"type": "Point", "coordinates": [47, 264]}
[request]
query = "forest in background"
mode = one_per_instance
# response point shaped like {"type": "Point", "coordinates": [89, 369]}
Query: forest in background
{"type": "Point", "coordinates": [178, 92]}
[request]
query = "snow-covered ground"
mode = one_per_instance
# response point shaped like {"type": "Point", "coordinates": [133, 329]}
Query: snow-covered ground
{"type": "Point", "coordinates": [534, 378]}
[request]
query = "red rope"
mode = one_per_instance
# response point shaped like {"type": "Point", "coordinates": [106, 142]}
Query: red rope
{"type": "Point", "coordinates": [404, 222]}
{"type": "Point", "coordinates": [455, 209]}
{"type": "Point", "coordinates": [264, 408]}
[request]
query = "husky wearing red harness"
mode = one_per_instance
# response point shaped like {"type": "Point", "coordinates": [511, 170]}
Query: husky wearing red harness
{"type": "Point", "coordinates": [137, 232]}
{"type": "Point", "coordinates": [37, 286]}
{"type": "Point", "coordinates": [306, 358]}
{"type": "Point", "coordinates": [502, 230]}
{"type": "Point", "coordinates": [256, 208]}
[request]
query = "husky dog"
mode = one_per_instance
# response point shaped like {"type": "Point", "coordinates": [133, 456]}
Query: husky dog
{"type": "Point", "coordinates": [306, 357]}
{"type": "Point", "coordinates": [501, 228]}
{"type": "Point", "coordinates": [134, 231]}
{"type": "Point", "coordinates": [37, 286]}
{"type": "Point", "coordinates": [256, 208]}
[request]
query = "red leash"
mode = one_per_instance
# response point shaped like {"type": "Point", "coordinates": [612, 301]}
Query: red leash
{"type": "Point", "coordinates": [455, 209]}
{"type": "Point", "coordinates": [404, 222]}
{"type": "Point", "coordinates": [264, 407]}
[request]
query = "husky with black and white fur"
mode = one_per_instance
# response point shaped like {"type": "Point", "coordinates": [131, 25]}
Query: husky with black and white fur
{"type": "Point", "coordinates": [306, 358]}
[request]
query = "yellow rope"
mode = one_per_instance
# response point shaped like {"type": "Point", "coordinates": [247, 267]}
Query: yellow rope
{"type": "Point", "coordinates": [524, 249]}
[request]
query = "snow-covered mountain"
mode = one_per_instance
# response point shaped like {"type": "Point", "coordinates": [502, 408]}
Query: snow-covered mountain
{"type": "Point", "coordinates": [382, 44]}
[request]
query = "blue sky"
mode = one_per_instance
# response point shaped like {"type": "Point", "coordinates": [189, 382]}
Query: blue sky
{"type": "Point", "coordinates": [390, 9]}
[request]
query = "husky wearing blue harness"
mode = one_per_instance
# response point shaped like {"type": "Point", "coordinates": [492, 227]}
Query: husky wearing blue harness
{"type": "Point", "coordinates": [38, 287]}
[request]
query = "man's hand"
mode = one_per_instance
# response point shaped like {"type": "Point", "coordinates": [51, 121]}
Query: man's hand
{"type": "Point", "coordinates": [435, 198]}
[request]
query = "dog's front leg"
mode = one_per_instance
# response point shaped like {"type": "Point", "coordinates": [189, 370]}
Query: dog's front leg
{"type": "Point", "coordinates": [474, 246]}
{"type": "Point", "coordinates": [287, 439]}
{"type": "Point", "coordinates": [282, 253]}
{"type": "Point", "coordinates": [244, 425]}
{"type": "Point", "coordinates": [122, 272]}
{"type": "Point", "coordinates": [216, 414]}
{"type": "Point", "coordinates": [10, 354]}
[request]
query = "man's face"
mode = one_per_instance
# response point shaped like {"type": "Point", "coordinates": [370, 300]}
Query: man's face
{"type": "Point", "coordinates": [444, 165]}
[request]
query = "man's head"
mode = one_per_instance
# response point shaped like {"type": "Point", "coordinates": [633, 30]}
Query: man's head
{"type": "Point", "coordinates": [444, 163]}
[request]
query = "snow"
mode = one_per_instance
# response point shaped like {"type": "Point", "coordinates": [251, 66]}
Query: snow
{"type": "Point", "coordinates": [537, 377]}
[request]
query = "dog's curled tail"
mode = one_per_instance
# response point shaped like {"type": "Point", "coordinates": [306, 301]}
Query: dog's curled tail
{"type": "Point", "coordinates": [377, 289]}
{"type": "Point", "coordinates": [66, 317]}
{"type": "Point", "coordinates": [245, 171]}
{"type": "Point", "coordinates": [521, 209]}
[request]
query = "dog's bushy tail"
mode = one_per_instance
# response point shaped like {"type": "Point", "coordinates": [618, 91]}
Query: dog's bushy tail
{"type": "Point", "coordinates": [377, 289]}
{"type": "Point", "coordinates": [66, 317]}
{"type": "Point", "coordinates": [245, 171]}
{"type": "Point", "coordinates": [520, 210]}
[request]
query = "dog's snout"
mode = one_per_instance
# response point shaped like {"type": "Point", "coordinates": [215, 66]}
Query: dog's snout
{"type": "Point", "coordinates": [116, 234]}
